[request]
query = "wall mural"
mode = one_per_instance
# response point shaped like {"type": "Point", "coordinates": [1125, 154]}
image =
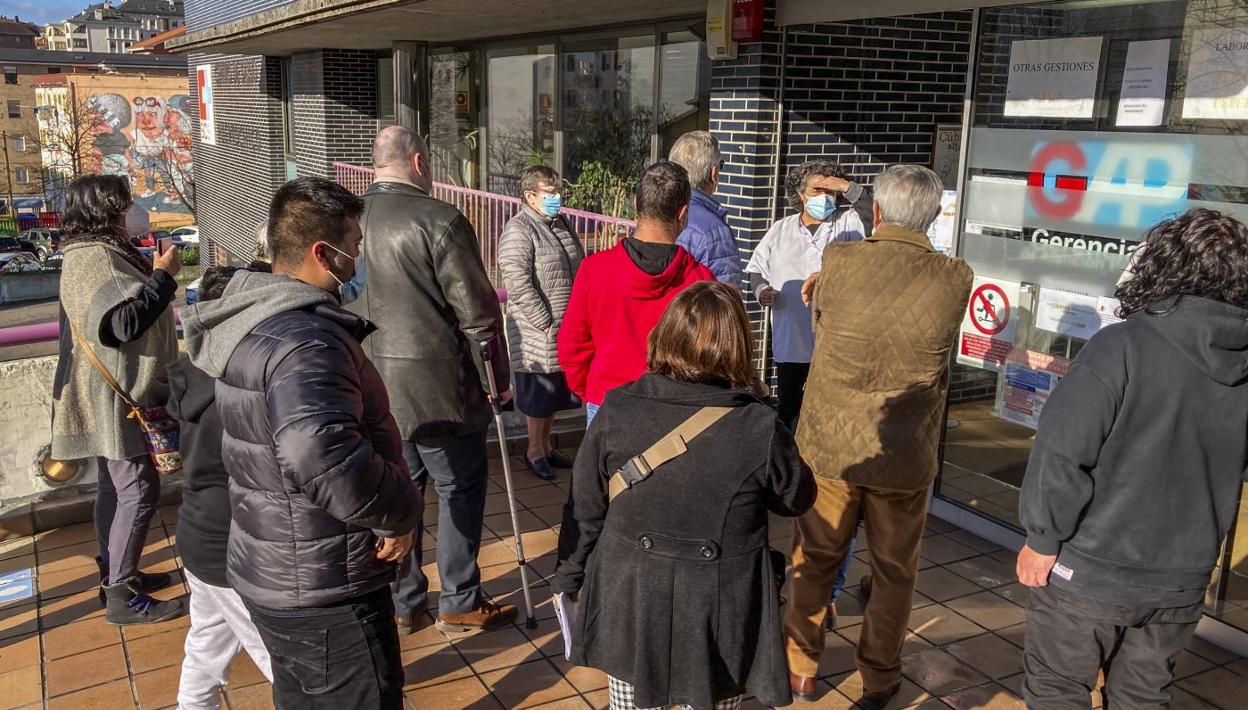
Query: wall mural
{"type": "Point", "coordinates": [148, 140]}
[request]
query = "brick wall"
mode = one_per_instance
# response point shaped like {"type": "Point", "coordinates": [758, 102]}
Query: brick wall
{"type": "Point", "coordinates": [236, 178]}
{"type": "Point", "coordinates": [335, 99]}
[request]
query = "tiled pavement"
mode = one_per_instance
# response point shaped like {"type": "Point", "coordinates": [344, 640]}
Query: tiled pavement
{"type": "Point", "coordinates": [56, 651]}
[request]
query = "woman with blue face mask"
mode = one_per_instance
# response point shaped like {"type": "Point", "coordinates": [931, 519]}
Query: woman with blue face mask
{"type": "Point", "coordinates": [538, 256]}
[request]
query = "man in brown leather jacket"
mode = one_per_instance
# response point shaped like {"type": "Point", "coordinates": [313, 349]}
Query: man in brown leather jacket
{"type": "Point", "coordinates": [434, 306]}
{"type": "Point", "coordinates": [886, 312]}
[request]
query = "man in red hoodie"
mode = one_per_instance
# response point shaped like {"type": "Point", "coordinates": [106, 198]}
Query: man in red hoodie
{"type": "Point", "coordinates": [619, 294]}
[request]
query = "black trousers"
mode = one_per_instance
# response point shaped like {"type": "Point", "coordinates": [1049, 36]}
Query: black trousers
{"type": "Point", "coordinates": [1071, 637]}
{"type": "Point", "coordinates": [790, 384]}
{"type": "Point", "coordinates": [336, 657]}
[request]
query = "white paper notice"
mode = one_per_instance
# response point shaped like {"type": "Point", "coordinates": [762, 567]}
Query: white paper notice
{"type": "Point", "coordinates": [1143, 99]}
{"type": "Point", "coordinates": [1053, 78]}
{"type": "Point", "coordinates": [1217, 75]}
{"type": "Point", "coordinates": [941, 231]}
{"type": "Point", "coordinates": [1074, 314]}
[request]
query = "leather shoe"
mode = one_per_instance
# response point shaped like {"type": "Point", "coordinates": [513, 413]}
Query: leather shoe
{"type": "Point", "coordinates": [878, 700]}
{"type": "Point", "coordinates": [803, 687]}
{"type": "Point", "coordinates": [411, 623]}
{"type": "Point", "coordinates": [486, 616]}
{"type": "Point", "coordinates": [541, 468]}
{"type": "Point", "coordinates": [558, 460]}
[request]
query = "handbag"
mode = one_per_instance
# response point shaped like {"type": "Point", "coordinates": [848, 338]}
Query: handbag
{"type": "Point", "coordinates": [160, 431]}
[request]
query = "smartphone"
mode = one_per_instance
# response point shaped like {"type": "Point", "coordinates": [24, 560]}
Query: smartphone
{"type": "Point", "coordinates": [163, 245]}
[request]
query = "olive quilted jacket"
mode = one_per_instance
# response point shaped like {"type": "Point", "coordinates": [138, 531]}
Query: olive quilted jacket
{"type": "Point", "coordinates": [886, 313]}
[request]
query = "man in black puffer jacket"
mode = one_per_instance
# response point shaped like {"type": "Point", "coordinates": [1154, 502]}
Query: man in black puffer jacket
{"type": "Point", "coordinates": [323, 505]}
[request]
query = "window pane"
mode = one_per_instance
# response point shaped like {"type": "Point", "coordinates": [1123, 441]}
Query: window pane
{"type": "Point", "coordinates": [522, 114]}
{"type": "Point", "coordinates": [684, 88]}
{"type": "Point", "coordinates": [608, 117]}
{"type": "Point", "coordinates": [453, 118]}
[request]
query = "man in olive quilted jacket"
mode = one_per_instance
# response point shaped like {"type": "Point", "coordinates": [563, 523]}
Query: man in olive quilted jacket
{"type": "Point", "coordinates": [886, 312]}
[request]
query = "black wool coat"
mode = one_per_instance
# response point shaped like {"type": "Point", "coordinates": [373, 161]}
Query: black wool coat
{"type": "Point", "coordinates": [677, 589]}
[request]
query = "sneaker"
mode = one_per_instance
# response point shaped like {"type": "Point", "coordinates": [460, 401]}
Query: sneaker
{"type": "Point", "coordinates": [127, 607]}
{"type": "Point", "coordinates": [485, 617]}
{"type": "Point", "coordinates": [144, 582]}
{"type": "Point", "coordinates": [541, 468]}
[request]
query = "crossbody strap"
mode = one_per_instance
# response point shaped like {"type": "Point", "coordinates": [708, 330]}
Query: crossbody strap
{"type": "Point", "coordinates": [669, 447]}
{"type": "Point", "coordinates": [100, 368]}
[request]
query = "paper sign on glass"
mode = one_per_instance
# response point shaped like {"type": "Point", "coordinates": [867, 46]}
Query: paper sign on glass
{"type": "Point", "coordinates": [1217, 75]}
{"type": "Point", "coordinates": [1143, 98]}
{"type": "Point", "coordinates": [1053, 78]}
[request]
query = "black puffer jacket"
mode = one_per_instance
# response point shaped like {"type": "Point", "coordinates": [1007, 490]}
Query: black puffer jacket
{"type": "Point", "coordinates": [433, 304]}
{"type": "Point", "coordinates": [314, 457]}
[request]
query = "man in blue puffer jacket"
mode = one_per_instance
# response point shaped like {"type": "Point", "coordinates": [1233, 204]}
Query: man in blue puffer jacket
{"type": "Point", "coordinates": [707, 236]}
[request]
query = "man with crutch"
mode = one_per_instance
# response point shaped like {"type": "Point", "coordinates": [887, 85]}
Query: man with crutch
{"type": "Point", "coordinates": [434, 307]}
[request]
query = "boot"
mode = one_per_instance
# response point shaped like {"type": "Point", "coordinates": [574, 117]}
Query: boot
{"type": "Point", "coordinates": [125, 606]}
{"type": "Point", "coordinates": [144, 582]}
{"type": "Point", "coordinates": [485, 617]}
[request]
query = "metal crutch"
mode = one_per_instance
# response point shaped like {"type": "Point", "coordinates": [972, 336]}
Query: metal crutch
{"type": "Point", "coordinates": [487, 354]}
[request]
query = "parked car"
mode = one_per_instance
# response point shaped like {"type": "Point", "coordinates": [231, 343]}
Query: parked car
{"type": "Point", "coordinates": [41, 242]}
{"type": "Point", "coordinates": [186, 236]}
{"type": "Point", "coordinates": [143, 249]}
{"type": "Point", "coordinates": [150, 238]}
{"type": "Point", "coordinates": [14, 262]}
{"type": "Point", "coordinates": [192, 292]}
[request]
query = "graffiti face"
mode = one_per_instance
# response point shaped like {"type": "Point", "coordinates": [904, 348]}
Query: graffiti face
{"type": "Point", "coordinates": [146, 138]}
{"type": "Point", "coordinates": [148, 113]}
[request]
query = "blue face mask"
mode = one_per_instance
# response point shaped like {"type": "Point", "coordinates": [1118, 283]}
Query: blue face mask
{"type": "Point", "coordinates": [551, 204]}
{"type": "Point", "coordinates": [819, 207]}
{"type": "Point", "coordinates": [349, 291]}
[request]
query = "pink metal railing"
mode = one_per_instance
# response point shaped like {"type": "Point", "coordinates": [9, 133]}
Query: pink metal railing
{"type": "Point", "coordinates": [488, 213]}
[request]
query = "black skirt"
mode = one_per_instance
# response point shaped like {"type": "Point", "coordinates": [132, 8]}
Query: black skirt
{"type": "Point", "coordinates": [540, 394]}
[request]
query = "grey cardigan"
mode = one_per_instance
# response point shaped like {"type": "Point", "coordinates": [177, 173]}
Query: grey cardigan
{"type": "Point", "coordinates": [88, 419]}
{"type": "Point", "coordinates": [539, 259]}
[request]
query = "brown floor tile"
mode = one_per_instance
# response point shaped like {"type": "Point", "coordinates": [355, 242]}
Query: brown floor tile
{"type": "Point", "coordinates": [181, 624]}
{"type": "Point", "coordinates": [18, 620]}
{"type": "Point", "coordinates": [989, 610]}
{"type": "Point", "coordinates": [1183, 700]}
{"type": "Point", "coordinates": [19, 652]}
{"type": "Point", "coordinates": [837, 658]}
{"type": "Point", "coordinates": [910, 694]}
{"type": "Point", "coordinates": [598, 700]}
{"type": "Point", "coordinates": [60, 559]}
{"type": "Point", "coordinates": [67, 610]}
{"type": "Point", "coordinates": [109, 696]}
{"type": "Point", "coordinates": [528, 685]}
{"type": "Point", "coordinates": [939, 584]}
{"type": "Point", "coordinates": [158, 689]}
{"type": "Point", "coordinates": [828, 699]}
{"type": "Point", "coordinates": [941, 625]}
{"type": "Point", "coordinates": [913, 643]}
{"type": "Point", "coordinates": [17, 563]}
{"type": "Point", "coordinates": [942, 550]}
{"type": "Point", "coordinates": [1189, 664]}
{"type": "Point", "coordinates": [60, 537]}
{"type": "Point", "coordinates": [987, 571]}
{"type": "Point", "coordinates": [989, 654]}
{"type": "Point", "coordinates": [67, 582]}
{"type": "Point", "coordinates": [426, 634]}
{"type": "Point", "coordinates": [463, 693]}
{"type": "Point", "coordinates": [583, 679]}
{"type": "Point", "coordinates": [1014, 683]}
{"type": "Point", "coordinates": [433, 665]}
{"type": "Point", "coordinates": [255, 697]}
{"type": "Point", "coordinates": [493, 650]}
{"type": "Point", "coordinates": [1219, 686]}
{"type": "Point", "coordinates": [547, 637]}
{"type": "Point", "coordinates": [573, 703]}
{"type": "Point", "coordinates": [1015, 592]}
{"type": "Point", "coordinates": [85, 635]}
{"type": "Point", "coordinates": [991, 696]}
{"type": "Point", "coordinates": [20, 687]}
{"type": "Point", "coordinates": [156, 651]}
{"type": "Point", "coordinates": [970, 539]}
{"type": "Point", "coordinates": [66, 675]}
{"type": "Point", "coordinates": [939, 673]}
{"type": "Point", "coordinates": [243, 672]}
{"type": "Point", "coordinates": [1014, 634]}
{"type": "Point", "coordinates": [17, 547]}
{"type": "Point", "coordinates": [1210, 652]}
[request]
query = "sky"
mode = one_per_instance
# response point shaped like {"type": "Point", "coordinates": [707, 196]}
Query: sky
{"type": "Point", "coordinates": [42, 12]}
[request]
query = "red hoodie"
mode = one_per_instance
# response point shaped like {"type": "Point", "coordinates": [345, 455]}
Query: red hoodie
{"type": "Point", "coordinates": [613, 307]}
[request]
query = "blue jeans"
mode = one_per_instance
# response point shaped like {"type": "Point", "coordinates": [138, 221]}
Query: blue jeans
{"type": "Point", "coordinates": [591, 411]}
{"type": "Point", "coordinates": [839, 585]}
{"type": "Point", "coordinates": [460, 473]}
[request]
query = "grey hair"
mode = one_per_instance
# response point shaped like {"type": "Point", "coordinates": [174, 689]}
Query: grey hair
{"type": "Point", "coordinates": [261, 250]}
{"type": "Point", "coordinates": [908, 196]}
{"type": "Point", "coordinates": [698, 153]}
{"type": "Point", "coordinates": [395, 145]}
{"type": "Point", "coordinates": [534, 176]}
{"type": "Point", "coordinates": [799, 175]}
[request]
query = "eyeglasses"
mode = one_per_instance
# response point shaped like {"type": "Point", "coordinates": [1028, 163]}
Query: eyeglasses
{"type": "Point", "coordinates": [151, 101]}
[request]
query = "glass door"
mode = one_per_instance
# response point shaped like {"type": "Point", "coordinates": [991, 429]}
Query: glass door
{"type": "Point", "coordinates": [454, 117]}
{"type": "Point", "coordinates": [521, 110]}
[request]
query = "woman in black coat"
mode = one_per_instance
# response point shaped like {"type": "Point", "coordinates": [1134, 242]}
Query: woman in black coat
{"type": "Point", "coordinates": [678, 601]}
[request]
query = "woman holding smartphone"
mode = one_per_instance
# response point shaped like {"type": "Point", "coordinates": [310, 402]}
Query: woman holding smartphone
{"type": "Point", "coordinates": [114, 301]}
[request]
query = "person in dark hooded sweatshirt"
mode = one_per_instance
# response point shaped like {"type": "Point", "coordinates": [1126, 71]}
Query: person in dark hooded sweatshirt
{"type": "Point", "coordinates": [1135, 474]}
{"type": "Point", "coordinates": [619, 294]}
{"type": "Point", "coordinates": [323, 505]}
{"type": "Point", "coordinates": [220, 624]}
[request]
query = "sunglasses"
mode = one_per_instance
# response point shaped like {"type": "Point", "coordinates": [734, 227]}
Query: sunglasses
{"type": "Point", "coordinates": [151, 101]}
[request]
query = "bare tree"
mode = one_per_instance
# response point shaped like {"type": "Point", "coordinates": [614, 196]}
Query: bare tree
{"type": "Point", "coordinates": [67, 141]}
{"type": "Point", "coordinates": [178, 175]}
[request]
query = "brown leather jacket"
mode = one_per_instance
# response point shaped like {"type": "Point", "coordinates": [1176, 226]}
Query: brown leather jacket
{"type": "Point", "coordinates": [886, 313]}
